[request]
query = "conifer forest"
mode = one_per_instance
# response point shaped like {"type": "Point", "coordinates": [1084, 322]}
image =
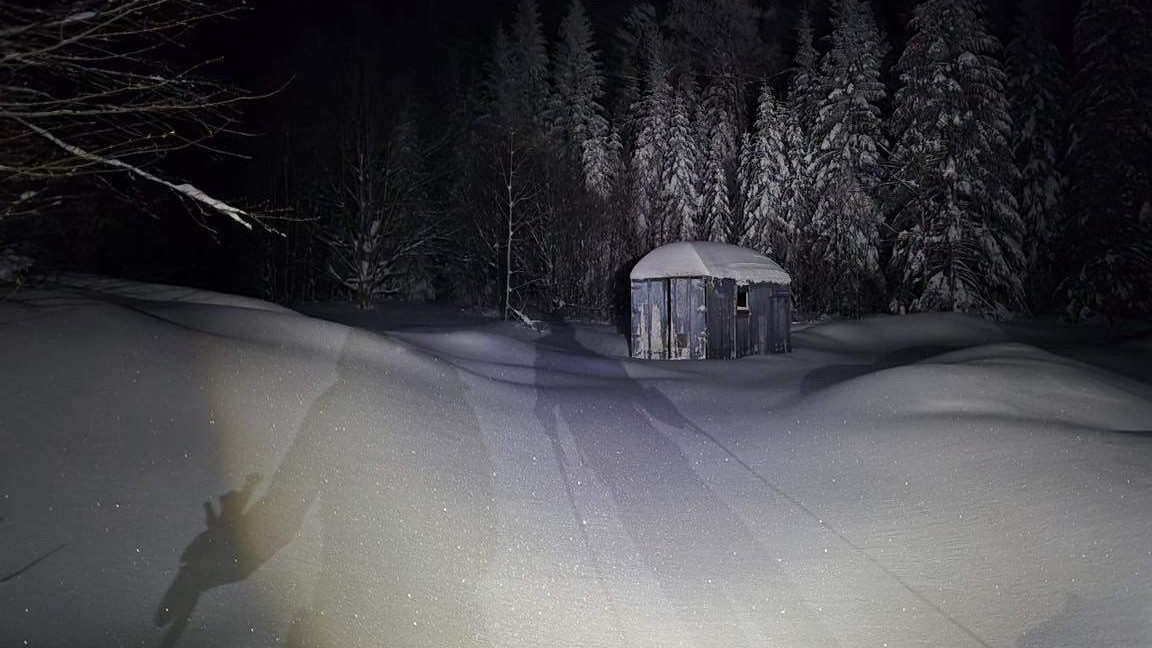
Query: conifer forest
{"type": "Point", "coordinates": [947, 155]}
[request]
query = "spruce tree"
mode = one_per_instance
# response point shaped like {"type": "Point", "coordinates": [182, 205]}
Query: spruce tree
{"type": "Point", "coordinates": [635, 44]}
{"type": "Point", "coordinates": [719, 153]}
{"type": "Point", "coordinates": [652, 118]}
{"type": "Point", "coordinates": [1037, 94]}
{"type": "Point", "coordinates": [802, 91]}
{"type": "Point", "coordinates": [528, 70]}
{"type": "Point", "coordinates": [681, 180]}
{"type": "Point", "coordinates": [950, 191]}
{"type": "Point", "coordinates": [771, 177]}
{"type": "Point", "coordinates": [846, 141]}
{"type": "Point", "coordinates": [717, 38]}
{"type": "Point", "coordinates": [499, 84]}
{"type": "Point", "coordinates": [1107, 251]}
{"type": "Point", "coordinates": [576, 112]}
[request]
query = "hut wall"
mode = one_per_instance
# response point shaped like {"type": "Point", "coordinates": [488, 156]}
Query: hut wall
{"type": "Point", "coordinates": [688, 332]}
{"type": "Point", "coordinates": [760, 320]}
{"type": "Point", "coordinates": [721, 319]}
{"type": "Point", "coordinates": [696, 318]}
{"type": "Point", "coordinates": [650, 319]}
{"type": "Point", "coordinates": [743, 334]}
{"type": "Point", "coordinates": [780, 316]}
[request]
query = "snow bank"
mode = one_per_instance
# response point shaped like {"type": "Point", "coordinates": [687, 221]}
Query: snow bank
{"type": "Point", "coordinates": [1000, 385]}
{"type": "Point", "coordinates": [707, 259]}
{"type": "Point", "coordinates": [474, 485]}
{"type": "Point", "coordinates": [121, 289]}
{"type": "Point", "coordinates": [888, 333]}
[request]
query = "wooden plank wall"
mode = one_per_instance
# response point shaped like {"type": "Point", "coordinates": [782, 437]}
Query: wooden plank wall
{"type": "Point", "coordinates": [780, 339]}
{"type": "Point", "coordinates": [638, 343]}
{"type": "Point", "coordinates": [699, 316]}
{"type": "Point", "coordinates": [650, 321]}
{"type": "Point", "coordinates": [695, 318]}
{"type": "Point", "coordinates": [680, 325]}
{"type": "Point", "coordinates": [689, 324]}
{"type": "Point", "coordinates": [721, 319]}
{"type": "Point", "coordinates": [743, 334]}
{"type": "Point", "coordinates": [760, 315]}
{"type": "Point", "coordinates": [784, 324]}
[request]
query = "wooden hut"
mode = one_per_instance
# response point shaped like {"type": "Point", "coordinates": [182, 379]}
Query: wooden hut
{"type": "Point", "coordinates": [701, 300]}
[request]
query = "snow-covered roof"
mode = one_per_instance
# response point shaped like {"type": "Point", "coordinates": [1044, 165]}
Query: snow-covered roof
{"type": "Point", "coordinates": [707, 259]}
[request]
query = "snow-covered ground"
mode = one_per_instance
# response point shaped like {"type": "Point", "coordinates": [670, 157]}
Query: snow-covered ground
{"type": "Point", "coordinates": [430, 479]}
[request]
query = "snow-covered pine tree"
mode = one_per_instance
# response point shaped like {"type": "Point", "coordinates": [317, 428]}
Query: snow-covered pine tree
{"type": "Point", "coordinates": [576, 112]}
{"type": "Point", "coordinates": [525, 66]}
{"type": "Point", "coordinates": [1107, 251]}
{"type": "Point", "coordinates": [635, 43]}
{"type": "Point", "coordinates": [950, 190]}
{"type": "Point", "coordinates": [749, 187]}
{"type": "Point", "coordinates": [802, 91]}
{"type": "Point", "coordinates": [1037, 94]}
{"type": "Point", "coordinates": [719, 156]}
{"type": "Point", "coordinates": [498, 79]}
{"type": "Point", "coordinates": [844, 166]}
{"type": "Point", "coordinates": [681, 180]}
{"type": "Point", "coordinates": [652, 116]}
{"type": "Point", "coordinates": [771, 177]}
{"type": "Point", "coordinates": [600, 158]}
{"type": "Point", "coordinates": [712, 39]}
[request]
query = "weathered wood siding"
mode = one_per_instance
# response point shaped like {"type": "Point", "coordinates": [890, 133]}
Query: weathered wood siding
{"type": "Point", "coordinates": [760, 318]}
{"type": "Point", "coordinates": [650, 319]}
{"type": "Point", "coordinates": [743, 333]}
{"type": "Point", "coordinates": [696, 318]}
{"type": "Point", "coordinates": [688, 332]}
{"type": "Point", "coordinates": [722, 319]}
{"type": "Point", "coordinates": [780, 315]}
{"type": "Point", "coordinates": [637, 322]}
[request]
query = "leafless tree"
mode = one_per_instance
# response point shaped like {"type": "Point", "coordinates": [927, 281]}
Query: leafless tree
{"type": "Point", "coordinates": [368, 174]}
{"type": "Point", "coordinates": [381, 230]}
{"type": "Point", "coordinates": [96, 90]}
{"type": "Point", "coordinates": [543, 241]}
{"type": "Point", "coordinates": [500, 195]}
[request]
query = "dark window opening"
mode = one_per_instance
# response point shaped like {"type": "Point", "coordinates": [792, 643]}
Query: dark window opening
{"type": "Point", "coordinates": [742, 298]}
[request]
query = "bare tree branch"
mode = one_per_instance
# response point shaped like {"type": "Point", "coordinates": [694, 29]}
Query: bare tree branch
{"type": "Point", "coordinates": [184, 189]}
{"type": "Point", "coordinates": [92, 88]}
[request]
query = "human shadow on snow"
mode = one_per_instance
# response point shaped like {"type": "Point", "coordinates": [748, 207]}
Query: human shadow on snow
{"type": "Point", "coordinates": [406, 519]}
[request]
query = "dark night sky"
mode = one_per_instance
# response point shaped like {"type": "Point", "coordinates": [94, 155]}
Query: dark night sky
{"type": "Point", "coordinates": [272, 43]}
{"type": "Point", "coordinates": [420, 36]}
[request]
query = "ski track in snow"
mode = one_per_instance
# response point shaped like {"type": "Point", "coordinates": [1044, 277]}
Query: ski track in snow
{"type": "Point", "coordinates": [431, 479]}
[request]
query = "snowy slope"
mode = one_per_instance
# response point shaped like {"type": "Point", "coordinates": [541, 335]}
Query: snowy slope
{"type": "Point", "coordinates": [430, 479]}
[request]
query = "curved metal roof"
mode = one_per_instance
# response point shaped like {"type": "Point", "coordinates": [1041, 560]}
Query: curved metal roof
{"type": "Point", "coordinates": [707, 259]}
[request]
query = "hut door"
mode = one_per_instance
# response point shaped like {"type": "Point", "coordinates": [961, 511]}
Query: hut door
{"type": "Point", "coordinates": [687, 339]}
{"type": "Point", "coordinates": [782, 320]}
{"type": "Point", "coordinates": [650, 319]}
{"type": "Point", "coordinates": [743, 323]}
{"type": "Point", "coordinates": [698, 316]}
{"type": "Point", "coordinates": [759, 317]}
{"type": "Point", "coordinates": [722, 319]}
{"type": "Point", "coordinates": [779, 310]}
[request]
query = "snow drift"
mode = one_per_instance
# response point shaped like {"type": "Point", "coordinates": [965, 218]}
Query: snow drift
{"type": "Point", "coordinates": [185, 468]}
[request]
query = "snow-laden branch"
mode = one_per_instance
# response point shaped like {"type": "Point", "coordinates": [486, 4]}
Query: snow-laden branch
{"type": "Point", "coordinates": [184, 189]}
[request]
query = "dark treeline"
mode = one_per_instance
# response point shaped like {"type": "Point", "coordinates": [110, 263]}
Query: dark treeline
{"type": "Point", "coordinates": [949, 171]}
{"type": "Point", "coordinates": [940, 155]}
